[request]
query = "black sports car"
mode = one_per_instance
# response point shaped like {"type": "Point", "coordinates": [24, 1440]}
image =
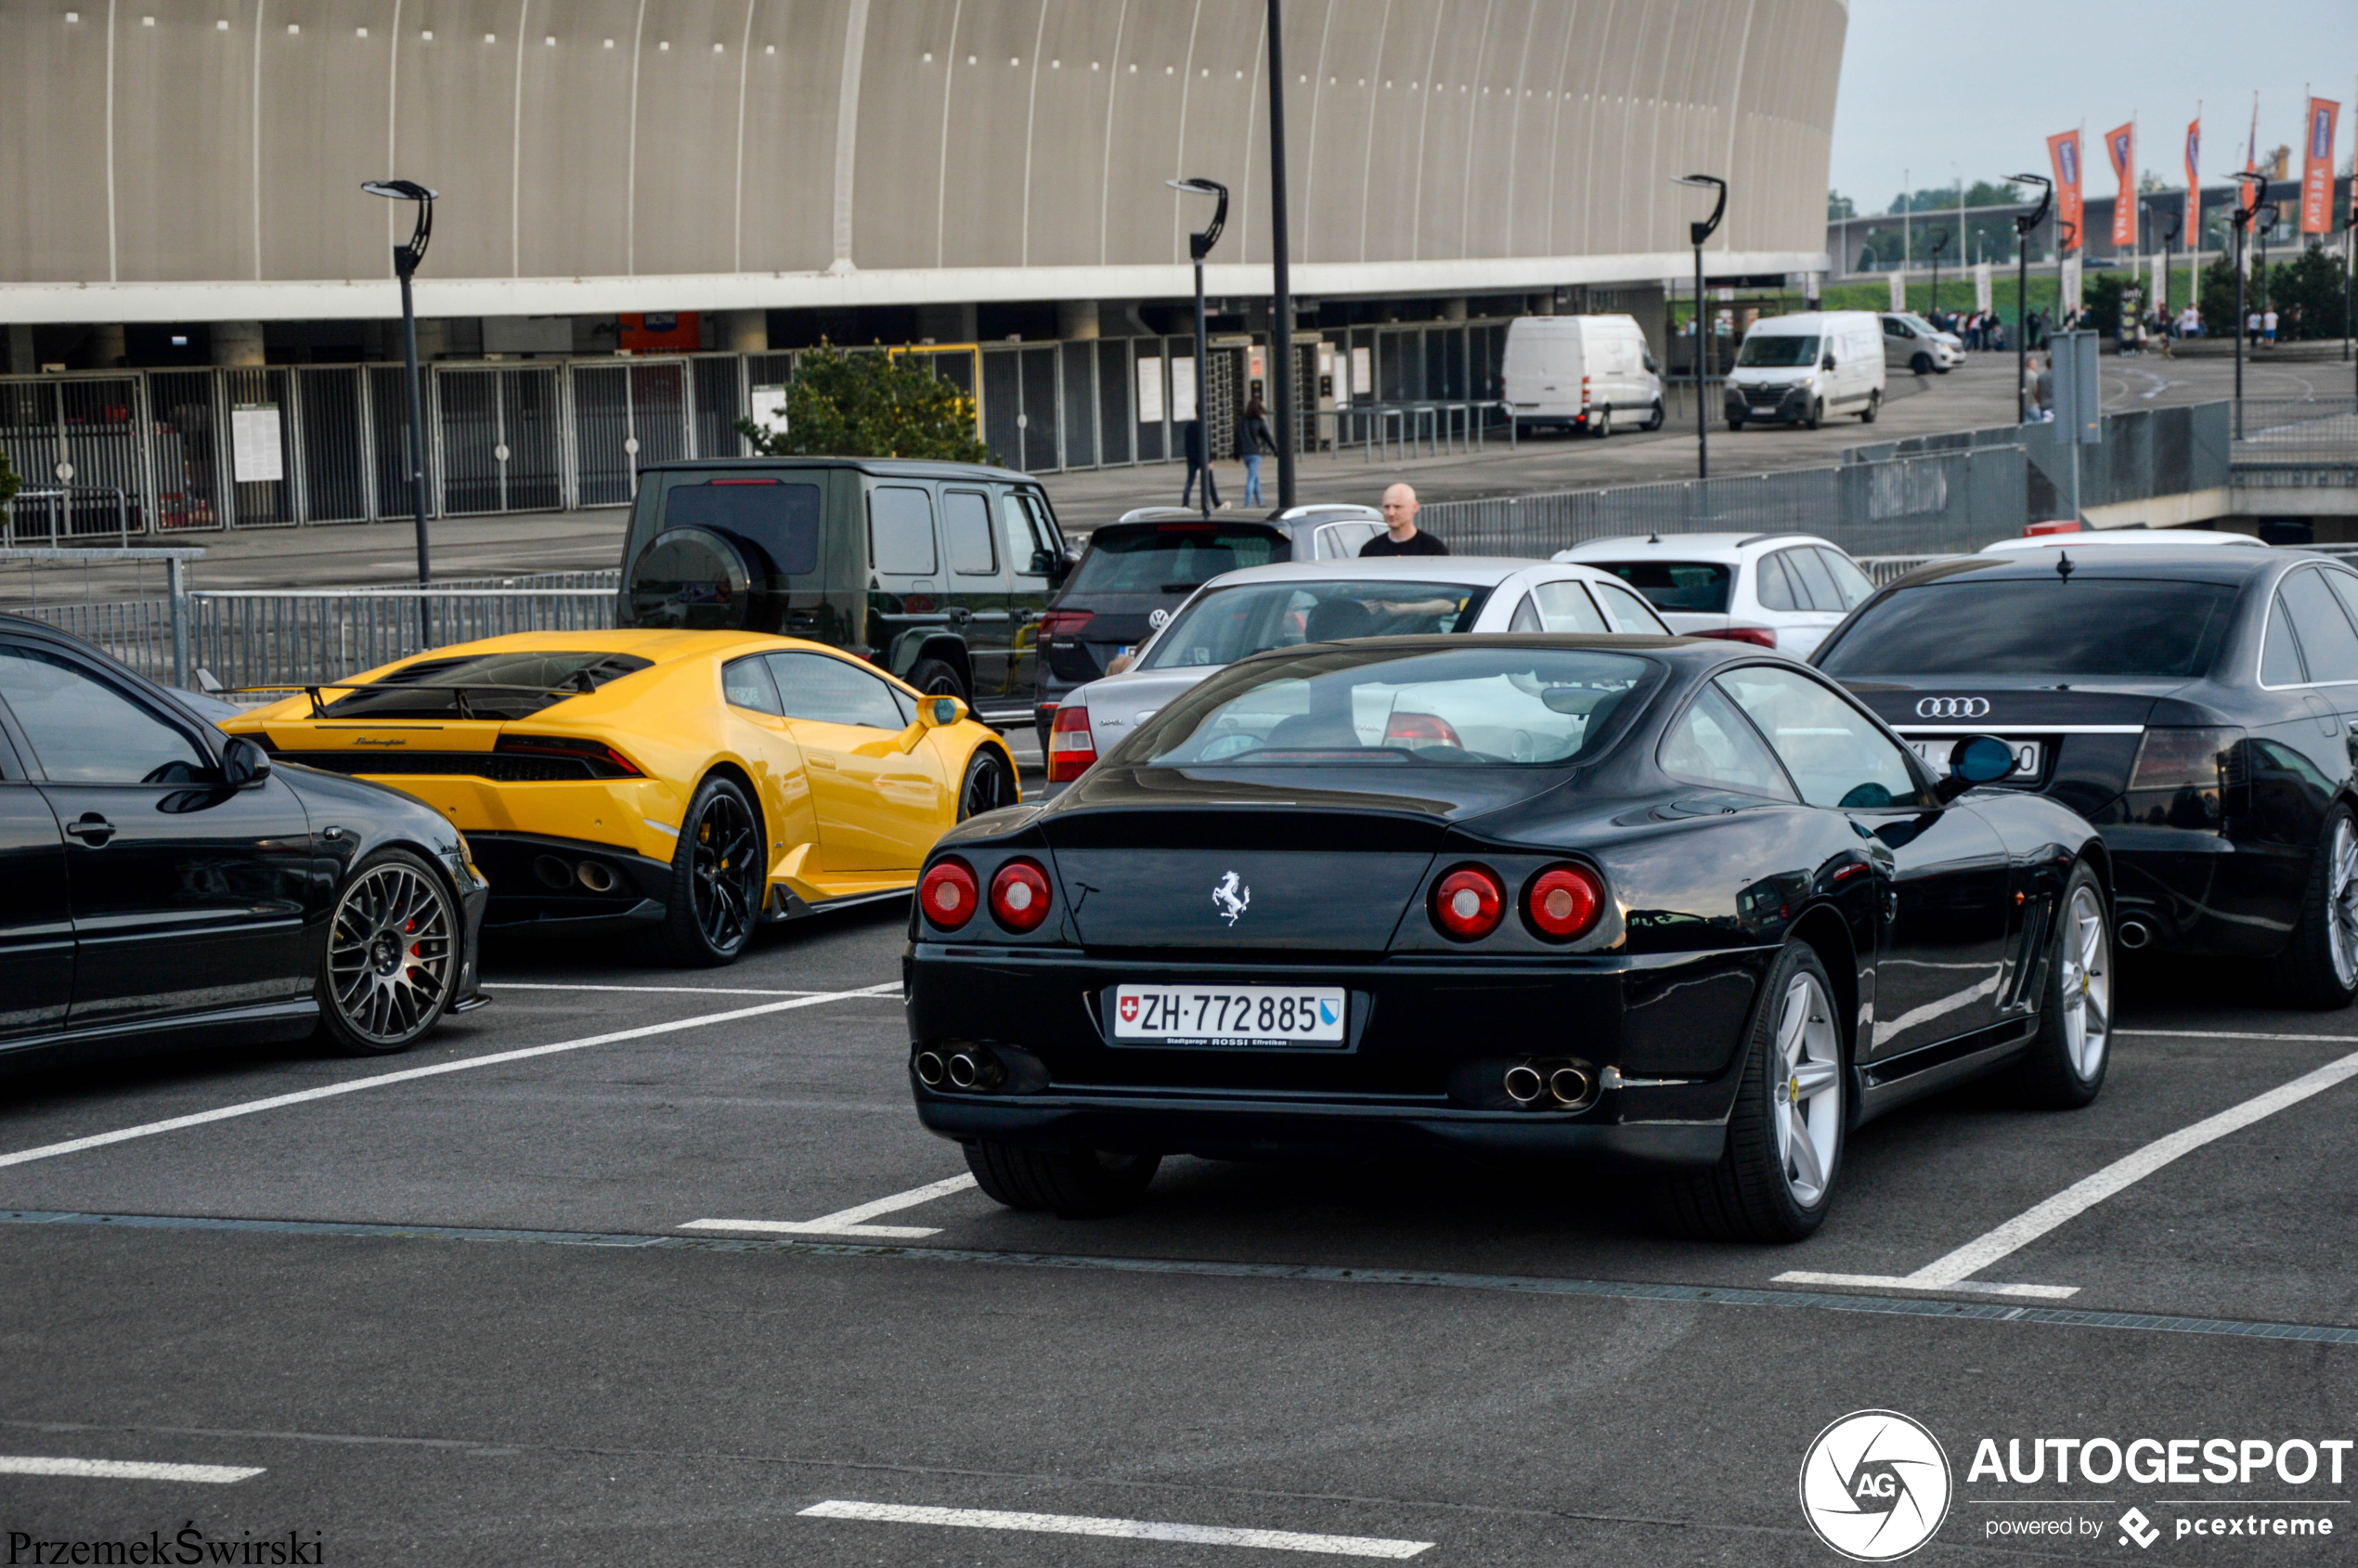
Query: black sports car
{"type": "Point", "coordinates": [2196, 705]}
{"type": "Point", "coordinates": [161, 883]}
{"type": "Point", "coordinates": [1676, 902]}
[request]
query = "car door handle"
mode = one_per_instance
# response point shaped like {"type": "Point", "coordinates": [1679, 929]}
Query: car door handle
{"type": "Point", "coordinates": [92, 829]}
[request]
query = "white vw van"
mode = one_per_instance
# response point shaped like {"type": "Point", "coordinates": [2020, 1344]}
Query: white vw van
{"type": "Point", "coordinates": [1579, 372]}
{"type": "Point", "coordinates": [1804, 368]}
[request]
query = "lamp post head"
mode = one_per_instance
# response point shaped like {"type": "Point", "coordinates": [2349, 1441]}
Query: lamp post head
{"type": "Point", "coordinates": [1699, 232]}
{"type": "Point", "coordinates": [1199, 243]}
{"type": "Point", "coordinates": [399, 191]}
{"type": "Point", "coordinates": [405, 257]}
{"type": "Point", "coordinates": [2255, 187]}
{"type": "Point", "coordinates": [2023, 225]}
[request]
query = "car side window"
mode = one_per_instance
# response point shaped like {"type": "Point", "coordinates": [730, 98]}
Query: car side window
{"type": "Point", "coordinates": [1835, 753]}
{"type": "Point", "coordinates": [745, 683]}
{"type": "Point", "coordinates": [901, 530]}
{"type": "Point", "coordinates": [965, 528]}
{"type": "Point", "coordinates": [1711, 743]}
{"type": "Point", "coordinates": [1627, 612]}
{"type": "Point", "coordinates": [2280, 655]}
{"type": "Point", "coordinates": [84, 730]}
{"type": "Point", "coordinates": [1526, 616]}
{"type": "Point", "coordinates": [1816, 583]}
{"type": "Point", "coordinates": [1562, 606]}
{"type": "Point", "coordinates": [832, 690]}
{"type": "Point", "coordinates": [1026, 543]}
{"type": "Point", "coordinates": [1853, 585]}
{"type": "Point", "coordinates": [1774, 591]}
{"type": "Point", "coordinates": [2328, 644]}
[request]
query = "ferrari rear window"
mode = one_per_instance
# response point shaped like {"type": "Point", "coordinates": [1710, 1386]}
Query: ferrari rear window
{"type": "Point", "coordinates": [1168, 558]}
{"type": "Point", "coordinates": [503, 685]}
{"type": "Point", "coordinates": [1395, 707]}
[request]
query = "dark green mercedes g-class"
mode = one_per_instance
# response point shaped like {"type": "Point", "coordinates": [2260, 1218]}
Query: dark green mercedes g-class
{"type": "Point", "coordinates": [936, 571]}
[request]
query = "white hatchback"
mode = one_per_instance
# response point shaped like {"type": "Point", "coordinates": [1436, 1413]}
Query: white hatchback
{"type": "Point", "coordinates": [1258, 608]}
{"type": "Point", "coordinates": [1780, 591]}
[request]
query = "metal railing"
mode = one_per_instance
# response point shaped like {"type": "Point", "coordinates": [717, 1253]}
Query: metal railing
{"type": "Point", "coordinates": [2308, 433]}
{"type": "Point", "coordinates": [1391, 430]}
{"type": "Point", "coordinates": [62, 515]}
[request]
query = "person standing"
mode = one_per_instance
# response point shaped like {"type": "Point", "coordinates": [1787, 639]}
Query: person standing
{"type": "Point", "coordinates": [1198, 462]}
{"type": "Point", "coordinates": [1253, 439]}
{"type": "Point", "coordinates": [2268, 327]}
{"type": "Point", "coordinates": [1401, 535]}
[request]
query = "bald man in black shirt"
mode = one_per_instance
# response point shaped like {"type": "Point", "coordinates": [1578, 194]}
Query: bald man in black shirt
{"type": "Point", "coordinates": [1401, 535]}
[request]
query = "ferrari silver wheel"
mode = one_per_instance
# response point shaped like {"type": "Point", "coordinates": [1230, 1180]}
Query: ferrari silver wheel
{"type": "Point", "coordinates": [390, 952]}
{"type": "Point", "coordinates": [1808, 1090]}
{"type": "Point", "coordinates": [2085, 951]}
{"type": "Point", "coordinates": [2341, 903]}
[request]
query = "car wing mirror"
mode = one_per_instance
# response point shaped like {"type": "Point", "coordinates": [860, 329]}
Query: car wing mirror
{"type": "Point", "coordinates": [1973, 761]}
{"type": "Point", "coordinates": [1050, 563]}
{"type": "Point", "coordinates": [243, 764]}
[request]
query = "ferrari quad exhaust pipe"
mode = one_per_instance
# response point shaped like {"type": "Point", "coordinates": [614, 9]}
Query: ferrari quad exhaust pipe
{"type": "Point", "coordinates": [2135, 934]}
{"type": "Point", "coordinates": [1558, 1085]}
{"type": "Point", "coordinates": [1573, 1085]}
{"type": "Point", "coordinates": [930, 1068]}
{"type": "Point", "coordinates": [975, 1068]}
{"type": "Point", "coordinates": [1523, 1083]}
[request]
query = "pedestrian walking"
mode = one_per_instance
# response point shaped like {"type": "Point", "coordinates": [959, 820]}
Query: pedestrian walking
{"type": "Point", "coordinates": [1401, 535]}
{"type": "Point", "coordinates": [2268, 327]}
{"type": "Point", "coordinates": [2251, 329]}
{"type": "Point", "coordinates": [1198, 462]}
{"type": "Point", "coordinates": [1253, 440]}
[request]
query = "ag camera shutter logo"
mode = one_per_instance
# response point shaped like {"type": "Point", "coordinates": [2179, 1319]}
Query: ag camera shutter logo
{"type": "Point", "coordinates": [1875, 1485]}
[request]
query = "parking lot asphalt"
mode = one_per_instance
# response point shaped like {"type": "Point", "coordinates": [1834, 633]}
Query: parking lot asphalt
{"type": "Point", "coordinates": [639, 1265]}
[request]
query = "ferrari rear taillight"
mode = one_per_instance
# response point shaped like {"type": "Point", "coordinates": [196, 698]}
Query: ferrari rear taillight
{"type": "Point", "coordinates": [602, 761]}
{"type": "Point", "coordinates": [1469, 903]}
{"type": "Point", "coordinates": [1419, 728]}
{"type": "Point", "coordinates": [1064, 623]}
{"type": "Point", "coordinates": [948, 894]}
{"type": "Point", "coordinates": [1563, 902]}
{"type": "Point", "coordinates": [1019, 895]}
{"type": "Point", "coordinates": [1072, 747]}
{"type": "Point", "coordinates": [1763, 635]}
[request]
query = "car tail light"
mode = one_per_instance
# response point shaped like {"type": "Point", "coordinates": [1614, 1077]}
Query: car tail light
{"type": "Point", "coordinates": [1764, 635]}
{"type": "Point", "coordinates": [1019, 895]}
{"type": "Point", "coordinates": [1583, 392]}
{"type": "Point", "coordinates": [949, 894]}
{"type": "Point", "coordinates": [1414, 729]}
{"type": "Point", "coordinates": [1467, 902]}
{"type": "Point", "coordinates": [2059, 526]}
{"type": "Point", "coordinates": [1064, 623]}
{"type": "Point", "coordinates": [602, 759]}
{"type": "Point", "coordinates": [2185, 777]}
{"type": "Point", "coordinates": [1072, 749]}
{"type": "Point", "coordinates": [1563, 902]}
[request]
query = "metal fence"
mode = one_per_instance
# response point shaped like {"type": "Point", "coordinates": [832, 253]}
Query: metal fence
{"type": "Point", "coordinates": [1943, 502]}
{"type": "Point", "coordinates": [2304, 432]}
{"type": "Point", "coordinates": [2145, 453]}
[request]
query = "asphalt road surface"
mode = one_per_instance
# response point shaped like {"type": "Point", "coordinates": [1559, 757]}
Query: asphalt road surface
{"type": "Point", "coordinates": [642, 1266]}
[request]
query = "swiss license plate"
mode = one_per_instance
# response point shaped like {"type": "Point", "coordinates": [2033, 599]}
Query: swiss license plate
{"type": "Point", "coordinates": [2028, 755]}
{"type": "Point", "coordinates": [1228, 1015]}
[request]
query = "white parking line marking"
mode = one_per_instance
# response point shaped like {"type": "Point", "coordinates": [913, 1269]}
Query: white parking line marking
{"type": "Point", "coordinates": [1120, 1529]}
{"type": "Point", "coordinates": [148, 1129]}
{"type": "Point", "coordinates": [1951, 1272]}
{"type": "Point", "coordinates": [1909, 1282]}
{"type": "Point", "coordinates": [847, 1222]}
{"type": "Point", "coordinates": [124, 1469]}
{"type": "Point", "coordinates": [667, 989]}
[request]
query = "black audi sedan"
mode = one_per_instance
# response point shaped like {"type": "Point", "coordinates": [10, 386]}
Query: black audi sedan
{"type": "Point", "coordinates": [163, 885]}
{"type": "Point", "coordinates": [1679, 903]}
{"type": "Point", "coordinates": [2194, 703]}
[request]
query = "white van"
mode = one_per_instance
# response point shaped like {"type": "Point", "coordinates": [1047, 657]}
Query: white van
{"type": "Point", "coordinates": [1911, 342]}
{"type": "Point", "coordinates": [1805, 368]}
{"type": "Point", "coordinates": [1579, 372]}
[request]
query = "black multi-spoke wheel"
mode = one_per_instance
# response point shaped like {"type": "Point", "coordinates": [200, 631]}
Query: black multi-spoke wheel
{"type": "Point", "coordinates": [990, 783]}
{"type": "Point", "coordinates": [717, 877]}
{"type": "Point", "coordinates": [936, 679]}
{"type": "Point", "coordinates": [393, 955]}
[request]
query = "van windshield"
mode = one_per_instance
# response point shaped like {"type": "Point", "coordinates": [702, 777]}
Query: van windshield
{"type": "Point", "coordinates": [1772, 350]}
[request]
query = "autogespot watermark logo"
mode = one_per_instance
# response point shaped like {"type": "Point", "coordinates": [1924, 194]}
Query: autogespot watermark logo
{"type": "Point", "coordinates": [1875, 1485]}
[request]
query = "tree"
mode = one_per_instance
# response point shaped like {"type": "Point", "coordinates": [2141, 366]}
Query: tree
{"type": "Point", "coordinates": [2309, 295]}
{"type": "Point", "coordinates": [1839, 206]}
{"type": "Point", "coordinates": [870, 404]}
{"type": "Point", "coordinates": [8, 482]}
{"type": "Point", "coordinates": [2217, 300]}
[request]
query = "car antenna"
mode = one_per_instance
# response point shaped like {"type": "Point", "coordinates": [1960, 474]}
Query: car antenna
{"type": "Point", "coordinates": [1655, 536]}
{"type": "Point", "coordinates": [2063, 565]}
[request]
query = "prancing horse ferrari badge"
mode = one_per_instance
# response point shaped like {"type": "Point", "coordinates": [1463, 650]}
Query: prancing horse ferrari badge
{"type": "Point", "coordinates": [1231, 898]}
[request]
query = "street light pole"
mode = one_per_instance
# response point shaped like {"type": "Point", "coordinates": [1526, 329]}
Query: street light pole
{"type": "Point", "coordinates": [2256, 188]}
{"type": "Point", "coordinates": [1697, 233]}
{"type": "Point", "coordinates": [1200, 245]}
{"type": "Point", "coordinates": [406, 258]}
{"type": "Point", "coordinates": [2023, 225]}
{"type": "Point", "coordinates": [1939, 242]}
{"type": "Point", "coordinates": [1280, 252]}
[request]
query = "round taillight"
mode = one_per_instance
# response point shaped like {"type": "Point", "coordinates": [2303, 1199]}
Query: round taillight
{"type": "Point", "coordinates": [1467, 902]}
{"type": "Point", "coordinates": [1019, 895]}
{"type": "Point", "coordinates": [1563, 902]}
{"type": "Point", "coordinates": [948, 894]}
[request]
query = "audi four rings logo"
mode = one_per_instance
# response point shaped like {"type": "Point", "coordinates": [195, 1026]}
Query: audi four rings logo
{"type": "Point", "coordinates": [1953, 707]}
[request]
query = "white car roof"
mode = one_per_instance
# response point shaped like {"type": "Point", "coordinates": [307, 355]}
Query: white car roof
{"type": "Point", "coordinates": [1687, 546]}
{"type": "Point", "coordinates": [1471, 571]}
{"type": "Point", "coordinates": [2149, 538]}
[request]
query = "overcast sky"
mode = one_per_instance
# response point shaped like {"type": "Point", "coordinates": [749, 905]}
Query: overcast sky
{"type": "Point", "coordinates": [1944, 89]}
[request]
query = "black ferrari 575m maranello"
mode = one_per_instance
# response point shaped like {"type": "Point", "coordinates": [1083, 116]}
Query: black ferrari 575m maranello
{"type": "Point", "coordinates": [163, 885]}
{"type": "Point", "coordinates": [2200, 705]}
{"type": "Point", "coordinates": [1675, 903]}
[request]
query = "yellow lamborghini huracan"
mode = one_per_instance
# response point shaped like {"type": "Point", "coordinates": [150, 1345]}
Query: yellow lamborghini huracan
{"type": "Point", "coordinates": [698, 782]}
